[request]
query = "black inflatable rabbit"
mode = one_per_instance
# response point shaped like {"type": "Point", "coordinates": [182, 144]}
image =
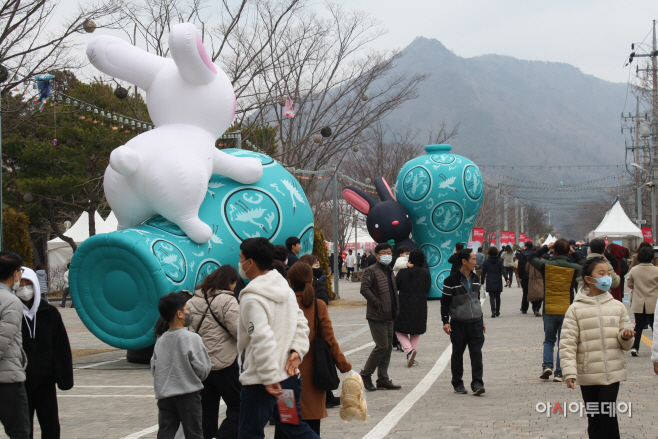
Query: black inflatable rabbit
{"type": "Point", "coordinates": [387, 219]}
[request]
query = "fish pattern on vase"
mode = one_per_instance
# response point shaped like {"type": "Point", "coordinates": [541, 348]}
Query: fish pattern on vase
{"type": "Point", "coordinates": [117, 278]}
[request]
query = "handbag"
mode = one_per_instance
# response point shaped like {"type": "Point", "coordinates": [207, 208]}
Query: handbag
{"type": "Point", "coordinates": [325, 376]}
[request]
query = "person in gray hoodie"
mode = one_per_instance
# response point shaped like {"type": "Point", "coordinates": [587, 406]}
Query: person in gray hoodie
{"type": "Point", "coordinates": [14, 413]}
{"type": "Point", "coordinates": [272, 341]}
{"type": "Point", "coordinates": [179, 365]}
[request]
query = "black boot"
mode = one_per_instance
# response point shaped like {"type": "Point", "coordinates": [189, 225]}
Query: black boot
{"type": "Point", "coordinates": [367, 383]}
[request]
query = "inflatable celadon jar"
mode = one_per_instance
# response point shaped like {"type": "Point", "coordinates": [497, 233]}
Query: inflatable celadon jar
{"type": "Point", "coordinates": [116, 279]}
{"type": "Point", "coordinates": [442, 193]}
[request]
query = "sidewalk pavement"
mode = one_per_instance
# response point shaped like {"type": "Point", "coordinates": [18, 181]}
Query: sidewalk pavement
{"type": "Point", "coordinates": [115, 399]}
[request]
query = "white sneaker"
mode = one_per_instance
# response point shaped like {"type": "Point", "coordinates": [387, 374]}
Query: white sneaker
{"type": "Point", "coordinates": [634, 352]}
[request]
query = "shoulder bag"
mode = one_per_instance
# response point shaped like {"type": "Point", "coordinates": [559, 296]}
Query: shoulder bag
{"type": "Point", "coordinates": [325, 376]}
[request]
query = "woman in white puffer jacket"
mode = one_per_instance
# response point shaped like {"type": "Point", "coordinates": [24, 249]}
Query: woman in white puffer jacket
{"type": "Point", "coordinates": [591, 347]}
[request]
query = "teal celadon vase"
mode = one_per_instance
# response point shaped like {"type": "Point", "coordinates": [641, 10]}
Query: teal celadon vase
{"type": "Point", "coordinates": [116, 279]}
{"type": "Point", "coordinates": [442, 193]}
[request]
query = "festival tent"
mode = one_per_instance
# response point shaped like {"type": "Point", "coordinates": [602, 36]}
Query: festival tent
{"type": "Point", "coordinates": [617, 225]}
{"type": "Point", "coordinates": [60, 252]}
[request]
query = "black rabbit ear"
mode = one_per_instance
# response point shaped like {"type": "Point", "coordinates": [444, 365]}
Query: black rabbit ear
{"type": "Point", "coordinates": [383, 189]}
{"type": "Point", "coordinates": [359, 199]}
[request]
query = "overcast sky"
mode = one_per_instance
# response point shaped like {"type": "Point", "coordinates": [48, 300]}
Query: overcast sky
{"type": "Point", "coordinates": [593, 35]}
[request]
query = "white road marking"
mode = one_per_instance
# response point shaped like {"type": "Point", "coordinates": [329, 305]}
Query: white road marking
{"type": "Point", "coordinates": [367, 345]}
{"type": "Point", "coordinates": [142, 433]}
{"type": "Point", "coordinates": [353, 324]}
{"type": "Point", "coordinates": [393, 417]}
{"type": "Point", "coordinates": [97, 364]}
{"type": "Point", "coordinates": [385, 426]}
{"type": "Point", "coordinates": [152, 429]}
{"type": "Point", "coordinates": [353, 335]}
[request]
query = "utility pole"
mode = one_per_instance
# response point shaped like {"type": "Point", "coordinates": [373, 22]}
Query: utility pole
{"type": "Point", "coordinates": [654, 117]}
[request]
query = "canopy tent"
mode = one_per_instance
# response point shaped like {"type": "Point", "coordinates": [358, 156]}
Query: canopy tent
{"type": "Point", "coordinates": [60, 252]}
{"type": "Point", "coordinates": [617, 225]}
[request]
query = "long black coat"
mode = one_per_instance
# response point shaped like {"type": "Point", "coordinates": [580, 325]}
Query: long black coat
{"type": "Point", "coordinates": [492, 271]}
{"type": "Point", "coordinates": [49, 359]}
{"type": "Point", "coordinates": [413, 285]}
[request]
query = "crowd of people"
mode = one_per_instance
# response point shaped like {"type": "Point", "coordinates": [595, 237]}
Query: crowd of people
{"type": "Point", "coordinates": [247, 344]}
{"type": "Point", "coordinates": [578, 290]}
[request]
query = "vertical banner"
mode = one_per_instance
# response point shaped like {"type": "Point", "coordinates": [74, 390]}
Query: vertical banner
{"type": "Point", "coordinates": [522, 239]}
{"type": "Point", "coordinates": [512, 238]}
{"type": "Point", "coordinates": [478, 238]}
{"type": "Point", "coordinates": [646, 233]}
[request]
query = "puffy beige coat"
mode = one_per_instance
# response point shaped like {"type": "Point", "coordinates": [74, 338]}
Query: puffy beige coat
{"type": "Point", "coordinates": [221, 346]}
{"type": "Point", "coordinates": [643, 280]}
{"type": "Point", "coordinates": [591, 347]}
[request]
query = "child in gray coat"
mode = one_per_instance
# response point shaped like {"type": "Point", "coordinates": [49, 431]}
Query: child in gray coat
{"type": "Point", "coordinates": [179, 365]}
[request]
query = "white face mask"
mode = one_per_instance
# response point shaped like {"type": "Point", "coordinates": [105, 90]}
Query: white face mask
{"type": "Point", "coordinates": [241, 271]}
{"type": "Point", "coordinates": [25, 293]}
{"type": "Point", "coordinates": [17, 285]}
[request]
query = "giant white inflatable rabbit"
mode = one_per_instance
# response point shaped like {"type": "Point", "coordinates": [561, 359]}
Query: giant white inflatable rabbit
{"type": "Point", "coordinates": [191, 102]}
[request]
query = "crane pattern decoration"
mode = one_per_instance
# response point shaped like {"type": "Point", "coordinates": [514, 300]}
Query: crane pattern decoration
{"type": "Point", "coordinates": [443, 193]}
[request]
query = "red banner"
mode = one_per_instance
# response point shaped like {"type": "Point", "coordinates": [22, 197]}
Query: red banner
{"type": "Point", "coordinates": [646, 233]}
{"type": "Point", "coordinates": [478, 235]}
{"type": "Point", "coordinates": [522, 238]}
{"type": "Point", "coordinates": [507, 238]}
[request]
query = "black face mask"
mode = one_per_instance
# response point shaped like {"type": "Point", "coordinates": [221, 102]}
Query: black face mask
{"type": "Point", "coordinates": [317, 273]}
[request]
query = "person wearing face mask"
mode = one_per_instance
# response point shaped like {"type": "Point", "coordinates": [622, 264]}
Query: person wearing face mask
{"type": "Point", "coordinates": [14, 412]}
{"type": "Point", "coordinates": [179, 365]}
{"type": "Point", "coordinates": [378, 287]}
{"type": "Point", "coordinates": [49, 359]}
{"type": "Point", "coordinates": [595, 332]}
{"type": "Point", "coordinates": [272, 342]}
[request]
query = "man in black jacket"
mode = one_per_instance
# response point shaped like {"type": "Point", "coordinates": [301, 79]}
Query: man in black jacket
{"type": "Point", "coordinates": [378, 287]}
{"type": "Point", "coordinates": [525, 277]}
{"type": "Point", "coordinates": [463, 321]}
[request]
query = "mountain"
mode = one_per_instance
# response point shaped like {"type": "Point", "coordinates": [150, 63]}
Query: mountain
{"type": "Point", "coordinates": [515, 112]}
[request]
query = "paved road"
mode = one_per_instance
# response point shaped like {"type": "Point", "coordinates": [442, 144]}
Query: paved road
{"type": "Point", "coordinates": [115, 399]}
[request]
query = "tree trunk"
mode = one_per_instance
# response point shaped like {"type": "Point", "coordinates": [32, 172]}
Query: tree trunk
{"type": "Point", "coordinates": [57, 230]}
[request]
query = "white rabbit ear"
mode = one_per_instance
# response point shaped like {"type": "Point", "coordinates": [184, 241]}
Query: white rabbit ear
{"type": "Point", "coordinates": [121, 60]}
{"type": "Point", "coordinates": [191, 58]}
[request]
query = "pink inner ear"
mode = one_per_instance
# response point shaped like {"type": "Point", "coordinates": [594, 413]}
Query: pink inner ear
{"type": "Point", "coordinates": [356, 201]}
{"type": "Point", "coordinates": [388, 187]}
{"type": "Point", "coordinates": [204, 55]}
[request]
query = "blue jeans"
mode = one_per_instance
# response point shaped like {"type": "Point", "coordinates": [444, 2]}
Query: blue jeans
{"type": "Point", "coordinates": [552, 330]}
{"type": "Point", "coordinates": [257, 407]}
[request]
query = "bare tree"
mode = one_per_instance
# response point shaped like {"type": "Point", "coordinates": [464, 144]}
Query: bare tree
{"type": "Point", "coordinates": [28, 48]}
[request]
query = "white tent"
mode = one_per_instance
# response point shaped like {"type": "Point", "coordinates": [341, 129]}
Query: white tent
{"type": "Point", "coordinates": [60, 252]}
{"type": "Point", "coordinates": [617, 225]}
